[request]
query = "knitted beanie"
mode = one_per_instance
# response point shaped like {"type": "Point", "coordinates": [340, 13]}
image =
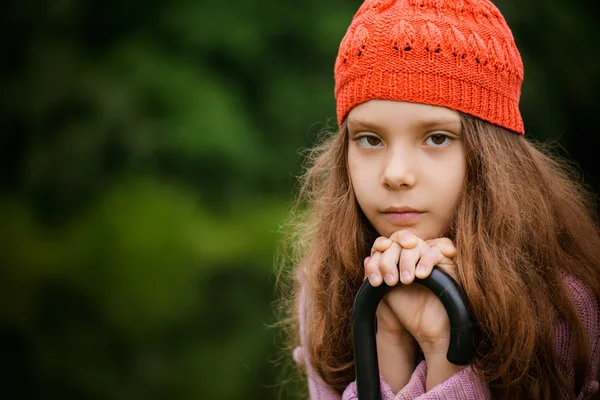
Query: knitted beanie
{"type": "Point", "coordinates": [458, 54]}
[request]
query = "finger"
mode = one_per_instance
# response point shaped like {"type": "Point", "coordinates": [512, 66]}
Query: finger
{"type": "Point", "coordinates": [381, 244]}
{"type": "Point", "coordinates": [388, 264]}
{"type": "Point", "coordinates": [449, 267]}
{"type": "Point", "coordinates": [372, 269]}
{"type": "Point", "coordinates": [428, 260]}
{"type": "Point", "coordinates": [405, 238]}
{"type": "Point", "coordinates": [408, 261]}
{"type": "Point", "coordinates": [370, 264]}
{"type": "Point", "coordinates": [446, 246]}
{"type": "Point", "coordinates": [412, 257]}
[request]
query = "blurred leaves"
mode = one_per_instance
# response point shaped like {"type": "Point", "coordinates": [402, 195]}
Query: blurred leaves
{"type": "Point", "coordinates": [145, 279]}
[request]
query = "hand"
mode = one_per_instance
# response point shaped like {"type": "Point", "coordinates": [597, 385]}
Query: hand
{"type": "Point", "coordinates": [396, 347]}
{"type": "Point", "coordinates": [413, 308]}
{"type": "Point", "coordinates": [389, 326]}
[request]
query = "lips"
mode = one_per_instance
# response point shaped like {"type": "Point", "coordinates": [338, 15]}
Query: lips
{"type": "Point", "coordinates": [401, 209]}
{"type": "Point", "coordinates": [402, 215]}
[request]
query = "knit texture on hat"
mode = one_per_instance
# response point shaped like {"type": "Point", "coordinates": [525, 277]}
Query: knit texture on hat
{"type": "Point", "coordinates": [458, 54]}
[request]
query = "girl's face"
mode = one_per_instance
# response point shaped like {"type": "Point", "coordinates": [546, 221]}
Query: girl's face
{"type": "Point", "coordinates": [407, 165]}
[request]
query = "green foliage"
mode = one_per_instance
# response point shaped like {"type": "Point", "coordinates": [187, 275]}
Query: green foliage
{"type": "Point", "coordinates": [146, 295]}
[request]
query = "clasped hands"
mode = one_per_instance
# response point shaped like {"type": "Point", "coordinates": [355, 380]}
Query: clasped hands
{"type": "Point", "coordinates": [411, 311]}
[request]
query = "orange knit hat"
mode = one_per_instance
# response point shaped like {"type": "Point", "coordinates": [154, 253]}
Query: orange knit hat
{"type": "Point", "coordinates": [458, 54]}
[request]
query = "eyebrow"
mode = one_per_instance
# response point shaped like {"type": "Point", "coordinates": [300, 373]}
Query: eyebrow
{"type": "Point", "coordinates": [359, 123]}
{"type": "Point", "coordinates": [425, 123]}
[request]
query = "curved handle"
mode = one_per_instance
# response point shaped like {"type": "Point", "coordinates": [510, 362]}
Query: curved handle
{"type": "Point", "coordinates": [368, 297]}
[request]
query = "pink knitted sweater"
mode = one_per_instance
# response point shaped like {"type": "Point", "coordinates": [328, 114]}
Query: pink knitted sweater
{"type": "Point", "coordinates": [465, 384]}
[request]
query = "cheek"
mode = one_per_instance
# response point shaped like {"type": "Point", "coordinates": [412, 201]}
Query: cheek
{"type": "Point", "coordinates": [359, 185]}
{"type": "Point", "coordinates": [358, 173]}
{"type": "Point", "coordinates": [362, 179]}
{"type": "Point", "coordinates": [452, 185]}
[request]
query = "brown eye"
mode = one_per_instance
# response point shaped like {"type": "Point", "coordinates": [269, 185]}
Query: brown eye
{"type": "Point", "coordinates": [373, 141]}
{"type": "Point", "coordinates": [369, 141]}
{"type": "Point", "coordinates": [439, 140]}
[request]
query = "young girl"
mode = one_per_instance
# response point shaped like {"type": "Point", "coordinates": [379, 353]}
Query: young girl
{"type": "Point", "coordinates": [430, 168]}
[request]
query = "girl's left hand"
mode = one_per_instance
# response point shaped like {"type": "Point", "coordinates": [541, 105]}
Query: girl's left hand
{"type": "Point", "coordinates": [416, 307]}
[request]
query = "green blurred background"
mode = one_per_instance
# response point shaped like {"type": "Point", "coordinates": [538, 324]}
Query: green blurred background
{"type": "Point", "coordinates": [147, 157]}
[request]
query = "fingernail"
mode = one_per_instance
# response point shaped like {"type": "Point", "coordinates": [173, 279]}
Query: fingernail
{"type": "Point", "coordinates": [421, 270]}
{"type": "Point", "coordinates": [375, 279]}
{"type": "Point", "coordinates": [389, 279]}
{"type": "Point", "coordinates": [405, 276]}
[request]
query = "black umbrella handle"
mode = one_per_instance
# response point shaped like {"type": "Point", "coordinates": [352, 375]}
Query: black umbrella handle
{"type": "Point", "coordinates": [462, 328]}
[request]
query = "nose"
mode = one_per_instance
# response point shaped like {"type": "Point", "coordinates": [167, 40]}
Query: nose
{"type": "Point", "coordinates": [399, 170]}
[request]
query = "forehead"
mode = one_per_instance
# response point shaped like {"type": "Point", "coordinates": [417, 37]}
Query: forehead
{"type": "Point", "coordinates": [401, 115]}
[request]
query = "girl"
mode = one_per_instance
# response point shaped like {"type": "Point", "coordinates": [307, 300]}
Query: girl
{"type": "Point", "coordinates": [430, 167]}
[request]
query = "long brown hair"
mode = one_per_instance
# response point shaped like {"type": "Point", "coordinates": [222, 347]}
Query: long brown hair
{"type": "Point", "coordinates": [523, 222]}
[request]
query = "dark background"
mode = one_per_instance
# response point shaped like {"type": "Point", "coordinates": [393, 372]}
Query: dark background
{"type": "Point", "coordinates": [147, 156]}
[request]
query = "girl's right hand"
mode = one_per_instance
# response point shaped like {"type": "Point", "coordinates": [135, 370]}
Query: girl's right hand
{"type": "Point", "coordinates": [388, 324]}
{"type": "Point", "coordinates": [396, 347]}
